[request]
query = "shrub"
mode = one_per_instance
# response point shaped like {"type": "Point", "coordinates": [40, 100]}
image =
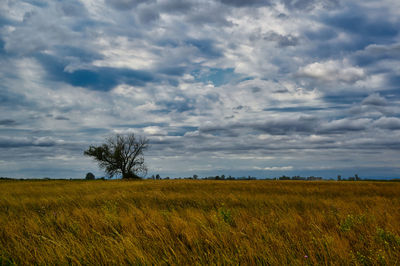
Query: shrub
{"type": "Point", "coordinates": [90, 176]}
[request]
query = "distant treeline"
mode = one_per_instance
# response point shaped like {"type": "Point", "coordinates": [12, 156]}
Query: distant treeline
{"type": "Point", "coordinates": [222, 177]}
{"type": "Point", "coordinates": [37, 179]}
{"type": "Point", "coordinates": [284, 177]}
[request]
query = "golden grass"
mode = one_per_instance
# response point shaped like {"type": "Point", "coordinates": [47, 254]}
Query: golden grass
{"type": "Point", "coordinates": [199, 222]}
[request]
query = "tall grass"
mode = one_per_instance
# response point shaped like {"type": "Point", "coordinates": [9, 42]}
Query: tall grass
{"type": "Point", "coordinates": [199, 222]}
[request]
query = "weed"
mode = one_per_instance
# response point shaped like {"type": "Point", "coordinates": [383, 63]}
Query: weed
{"type": "Point", "coordinates": [388, 238]}
{"type": "Point", "coordinates": [351, 221]}
{"type": "Point", "coordinates": [226, 215]}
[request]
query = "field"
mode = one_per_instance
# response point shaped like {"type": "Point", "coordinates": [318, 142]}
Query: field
{"type": "Point", "coordinates": [187, 222]}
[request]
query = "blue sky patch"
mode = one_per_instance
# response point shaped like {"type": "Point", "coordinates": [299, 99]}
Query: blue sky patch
{"type": "Point", "coordinates": [217, 76]}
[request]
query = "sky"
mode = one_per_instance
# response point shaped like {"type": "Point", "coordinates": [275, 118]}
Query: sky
{"type": "Point", "coordinates": [262, 88]}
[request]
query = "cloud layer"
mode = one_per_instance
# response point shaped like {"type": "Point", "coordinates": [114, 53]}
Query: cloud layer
{"type": "Point", "coordinates": [219, 87]}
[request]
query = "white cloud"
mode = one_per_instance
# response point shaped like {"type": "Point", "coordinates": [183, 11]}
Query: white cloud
{"type": "Point", "coordinates": [333, 71]}
{"type": "Point", "coordinates": [154, 131]}
{"type": "Point", "coordinates": [275, 168]}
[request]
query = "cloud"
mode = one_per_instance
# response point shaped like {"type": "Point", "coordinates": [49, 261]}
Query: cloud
{"type": "Point", "coordinates": [209, 82]}
{"type": "Point", "coordinates": [239, 3]}
{"type": "Point", "coordinates": [297, 126]}
{"type": "Point", "coordinates": [96, 78]}
{"type": "Point", "coordinates": [205, 47]}
{"type": "Point", "coordinates": [285, 126]}
{"type": "Point", "coordinates": [179, 104]}
{"type": "Point", "coordinates": [353, 21]}
{"type": "Point", "coordinates": [332, 71]}
{"type": "Point", "coordinates": [275, 168]}
{"type": "Point", "coordinates": [375, 100]}
{"type": "Point", "coordinates": [302, 124]}
{"type": "Point", "coordinates": [375, 53]}
{"type": "Point", "coordinates": [60, 117]}
{"type": "Point", "coordinates": [392, 123]}
{"type": "Point", "coordinates": [154, 131]}
{"type": "Point", "coordinates": [282, 40]}
{"type": "Point", "coordinates": [7, 122]}
{"type": "Point", "coordinates": [321, 34]}
{"type": "Point", "coordinates": [176, 6]}
{"type": "Point", "coordinates": [73, 8]}
{"type": "Point", "coordinates": [148, 15]}
{"type": "Point", "coordinates": [341, 126]}
{"type": "Point", "coordinates": [18, 142]}
{"type": "Point", "coordinates": [124, 4]}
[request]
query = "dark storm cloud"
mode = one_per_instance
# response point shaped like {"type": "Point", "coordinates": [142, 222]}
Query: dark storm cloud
{"type": "Point", "coordinates": [363, 30]}
{"type": "Point", "coordinates": [251, 145]}
{"type": "Point", "coordinates": [344, 98]}
{"type": "Point", "coordinates": [282, 40]}
{"type": "Point", "coordinates": [124, 4]}
{"type": "Point", "coordinates": [391, 123]}
{"type": "Point", "coordinates": [243, 3]}
{"type": "Point", "coordinates": [206, 47]}
{"type": "Point", "coordinates": [176, 6]}
{"type": "Point", "coordinates": [355, 22]}
{"type": "Point", "coordinates": [73, 8]}
{"type": "Point", "coordinates": [4, 21]}
{"type": "Point", "coordinates": [227, 131]}
{"type": "Point", "coordinates": [181, 131]}
{"type": "Point", "coordinates": [210, 17]}
{"type": "Point", "coordinates": [375, 100]}
{"type": "Point", "coordinates": [94, 131]}
{"type": "Point", "coordinates": [372, 106]}
{"type": "Point", "coordinates": [290, 4]}
{"type": "Point", "coordinates": [37, 3]}
{"type": "Point", "coordinates": [303, 126]}
{"type": "Point", "coordinates": [60, 117]}
{"type": "Point", "coordinates": [288, 126]}
{"type": "Point", "coordinates": [7, 122]}
{"type": "Point", "coordinates": [148, 15]}
{"type": "Point", "coordinates": [96, 78]}
{"type": "Point", "coordinates": [34, 33]}
{"type": "Point", "coordinates": [172, 70]}
{"type": "Point", "coordinates": [323, 34]}
{"type": "Point", "coordinates": [84, 55]}
{"type": "Point", "coordinates": [310, 4]}
{"type": "Point", "coordinates": [343, 126]}
{"type": "Point", "coordinates": [364, 26]}
{"type": "Point", "coordinates": [12, 99]}
{"type": "Point", "coordinates": [2, 51]}
{"type": "Point", "coordinates": [294, 109]}
{"type": "Point", "coordinates": [9, 142]}
{"type": "Point", "coordinates": [374, 53]}
{"type": "Point", "coordinates": [142, 125]}
{"type": "Point", "coordinates": [273, 127]}
{"type": "Point", "coordinates": [393, 81]}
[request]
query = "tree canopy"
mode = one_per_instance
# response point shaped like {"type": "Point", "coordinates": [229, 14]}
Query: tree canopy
{"type": "Point", "coordinates": [90, 176]}
{"type": "Point", "coordinates": [121, 155]}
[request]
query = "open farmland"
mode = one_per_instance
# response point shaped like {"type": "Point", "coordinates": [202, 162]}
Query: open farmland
{"type": "Point", "coordinates": [199, 222]}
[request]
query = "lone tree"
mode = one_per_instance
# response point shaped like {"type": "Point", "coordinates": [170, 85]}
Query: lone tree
{"type": "Point", "coordinates": [121, 154]}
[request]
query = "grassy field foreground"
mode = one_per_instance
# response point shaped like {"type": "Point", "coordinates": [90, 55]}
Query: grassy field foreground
{"type": "Point", "coordinates": [199, 222]}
